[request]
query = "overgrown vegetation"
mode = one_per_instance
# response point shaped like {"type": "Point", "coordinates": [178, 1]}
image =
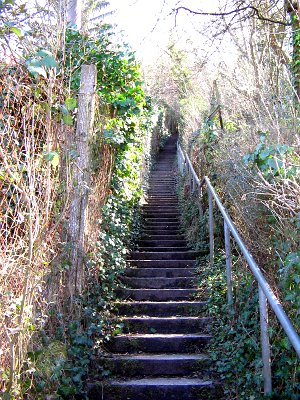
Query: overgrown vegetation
{"type": "Point", "coordinates": [239, 123]}
{"type": "Point", "coordinates": [46, 350]}
{"type": "Point", "coordinates": [252, 158]}
{"type": "Point", "coordinates": [236, 348]}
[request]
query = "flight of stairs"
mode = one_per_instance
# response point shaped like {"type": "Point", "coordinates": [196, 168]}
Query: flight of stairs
{"type": "Point", "coordinates": [160, 353]}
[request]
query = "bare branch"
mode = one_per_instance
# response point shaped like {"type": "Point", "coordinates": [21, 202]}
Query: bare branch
{"type": "Point", "coordinates": [255, 13]}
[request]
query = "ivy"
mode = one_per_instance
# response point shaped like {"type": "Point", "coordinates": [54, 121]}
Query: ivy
{"type": "Point", "coordinates": [127, 124]}
{"type": "Point", "coordinates": [273, 160]}
{"type": "Point", "coordinates": [236, 348]}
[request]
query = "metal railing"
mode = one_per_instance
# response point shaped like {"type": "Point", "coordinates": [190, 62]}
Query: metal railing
{"type": "Point", "coordinates": [266, 293]}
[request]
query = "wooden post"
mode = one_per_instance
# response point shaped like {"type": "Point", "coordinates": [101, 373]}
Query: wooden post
{"type": "Point", "coordinates": [81, 177]}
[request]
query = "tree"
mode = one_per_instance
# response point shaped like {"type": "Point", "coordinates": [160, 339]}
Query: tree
{"type": "Point", "coordinates": [282, 14]}
{"type": "Point", "coordinates": [75, 13]}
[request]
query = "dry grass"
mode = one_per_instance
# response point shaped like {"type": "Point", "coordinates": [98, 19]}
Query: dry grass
{"type": "Point", "coordinates": [35, 186]}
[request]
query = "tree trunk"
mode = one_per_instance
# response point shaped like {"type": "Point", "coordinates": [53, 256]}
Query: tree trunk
{"type": "Point", "coordinates": [74, 13]}
{"type": "Point", "coordinates": [81, 177]}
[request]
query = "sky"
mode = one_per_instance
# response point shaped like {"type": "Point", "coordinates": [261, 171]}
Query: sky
{"type": "Point", "coordinates": [148, 25]}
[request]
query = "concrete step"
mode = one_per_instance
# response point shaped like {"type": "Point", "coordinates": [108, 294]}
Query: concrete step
{"type": "Point", "coordinates": [155, 389]}
{"type": "Point", "coordinates": [160, 272]}
{"type": "Point", "coordinates": [160, 309]}
{"type": "Point", "coordinates": [155, 237]}
{"type": "Point", "coordinates": [149, 209]}
{"type": "Point", "coordinates": [162, 196]}
{"type": "Point", "coordinates": [160, 201]}
{"type": "Point", "coordinates": [161, 221]}
{"type": "Point", "coordinates": [162, 243]}
{"type": "Point", "coordinates": [168, 254]}
{"type": "Point", "coordinates": [162, 184]}
{"type": "Point", "coordinates": [157, 364]}
{"type": "Point", "coordinates": [158, 343]}
{"type": "Point", "coordinates": [159, 189]}
{"type": "Point", "coordinates": [170, 325]}
{"type": "Point", "coordinates": [173, 223]}
{"type": "Point", "coordinates": [162, 227]}
{"type": "Point", "coordinates": [159, 358]}
{"type": "Point", "coordinates": [161, 230]}
{"type": "Point", "coordinates": [163, 215]}
{"type": "Point", "coordinates": [164, 180]}
{"type": "Point", "coordinates": [156, 294]}
{"type": "Point", "coordinates": [153, 182]}
{"type": "Point", "coordinates": [162, 263]}
{"type": "Point", "coordinates": [163, 188]}
{"type": "Point", "coordinates": [159, 282]}
{"type": "Point", "coordinates": [160, 218]}
{"type": "Point", "coordinates": [162, 249]}
{"type": "Point", "coordinates": [161, 193]}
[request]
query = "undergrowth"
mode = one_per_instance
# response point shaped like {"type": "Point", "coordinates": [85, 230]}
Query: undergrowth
{"type": "Point", "coordinates": [64, 355]}
{"type": "Point", "coordinates": [236, 348]}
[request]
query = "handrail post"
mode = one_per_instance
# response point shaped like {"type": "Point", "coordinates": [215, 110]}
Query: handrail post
{"type": "Point", "coordinates": [228, 263]}
{"type": "Point", "coordinates": [190, 177]}
{"type": "Point", "coordinates": [211, 228]}
{"type": "Point", "coordinates": [193, 184]}
{"type": "Point", "coordinates": [265, 344]}
{"type": "Point", "coordinates": [179, 159]}
{"type": "Point", "coordinates": [200, 201]}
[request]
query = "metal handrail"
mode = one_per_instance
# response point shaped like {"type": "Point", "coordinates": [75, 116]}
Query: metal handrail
{"type": "Point", "coordinates": [265, 290]}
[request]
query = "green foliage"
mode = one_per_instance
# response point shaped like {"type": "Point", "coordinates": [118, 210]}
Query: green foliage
{"type": "Point", "coordinates": [118, 81]}
{"type": "Point", "coordinates": [208, 132]}
{"type": "Point", "coordinates": [41, 62]}
{"type": "Point", "coordinates": [120, 93]}
{"type": "Point", "coordinates": [236, 348]}
{"type": "Point", "coordinates": [195, 226]}
{"type": "Point", "coordinates": [12, 17]}
{"type": "Point", "coordinates": [290, 279]}
{"type": "Point", "coordinates": [180, 72]}
{"type": "Point", "coordinates": [273, 160]}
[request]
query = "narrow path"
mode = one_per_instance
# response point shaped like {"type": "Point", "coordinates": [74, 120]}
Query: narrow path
{"type": "Point", "coordinates": [160, 354]}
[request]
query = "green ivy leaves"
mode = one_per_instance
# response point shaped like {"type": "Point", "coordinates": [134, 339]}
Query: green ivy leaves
{"type": "Point", "coordinates": [41, 62]}
{"type": "Point", "coordinates": [273, 160]}
{"type": "Point", "coordinates": [52, 157]}
{"type": "Point", "coordinates": [119, 84]}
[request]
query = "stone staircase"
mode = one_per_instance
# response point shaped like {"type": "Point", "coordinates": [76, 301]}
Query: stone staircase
{"type": "Point", "coordinates": [160, 355]}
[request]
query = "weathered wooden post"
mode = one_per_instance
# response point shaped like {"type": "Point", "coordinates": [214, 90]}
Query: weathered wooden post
{"type": "Point", "coordinates": [81, 176]}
